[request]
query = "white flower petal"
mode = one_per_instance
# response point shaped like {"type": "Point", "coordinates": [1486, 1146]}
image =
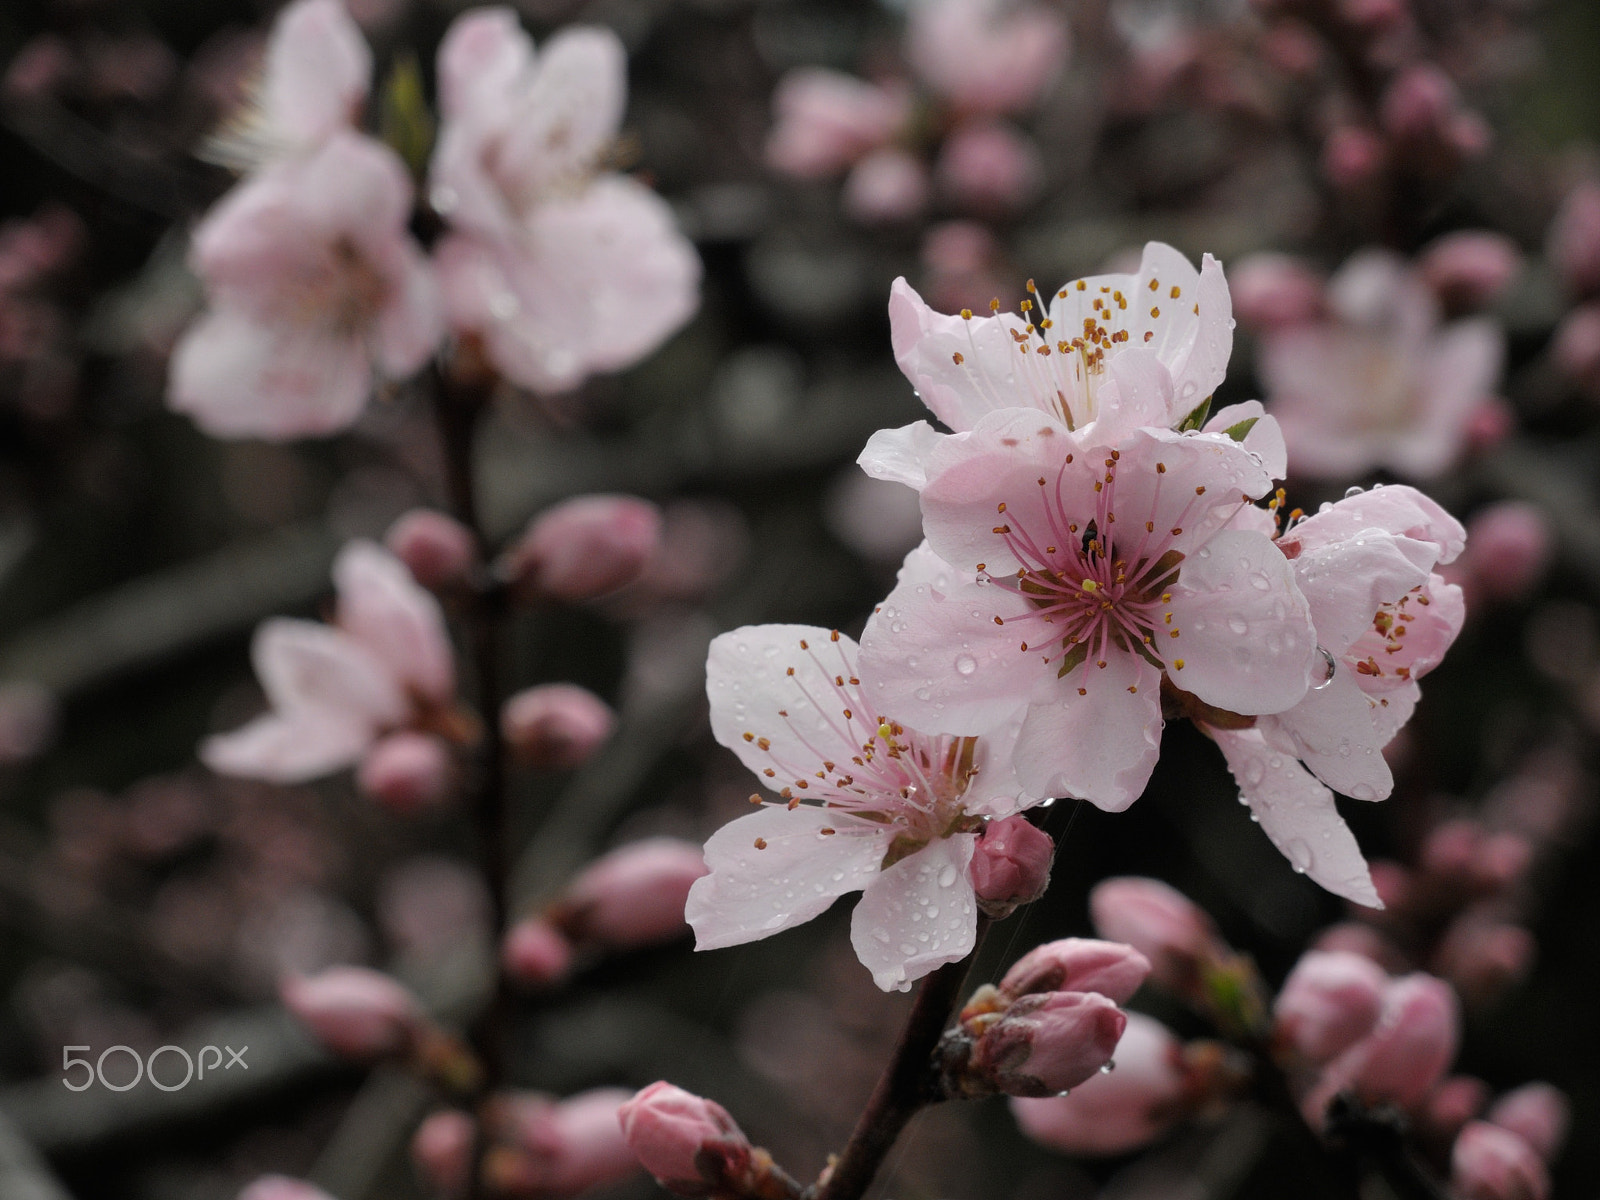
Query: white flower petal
{"type": "Point", "coordinates": [917, 915]}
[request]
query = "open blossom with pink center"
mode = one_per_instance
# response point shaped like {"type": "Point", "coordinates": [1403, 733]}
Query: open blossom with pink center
{"type": "Point", "coordinates": [825, 121]}
{"type": "Point", "coordinates": [1383, 619]}
{"type": "Point", "coordinates": [866, 803]}
{"type": "Point", "coordinates": [563, 268]}
{"type": "Point", "coordinates": [1102, 569]}
{"type": "Point", "coordinates": [987, 56]}
{"type": "Point", "coordinates": [1382, 383]}
{"type": "Point", "coordinates": [313, 83]}
{"type": "Point", "coordinates": [335, 690]}
{"type": "Point", "coordinates": [314, 286]}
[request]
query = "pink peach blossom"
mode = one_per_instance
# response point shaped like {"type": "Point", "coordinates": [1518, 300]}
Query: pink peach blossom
{"type": "Point", "coordinates": [1112, 969]}
{"type": "Point", "coordinates": [556, 726]}
{"type": "Point", "coordinates": [562, 268]}
{"type": "Point", "coordinates": [1573, 242]}
{"type": "Point", "coordinates": [1351, 156]}
{"type": "Point", "coordinates": [1010, 865]}
{"type": "Point", "coordinates": [985, 56]}
{"type": "Point", "coordinates": [633, 896]}
{"type": "Point", "coordinates": [406, 771]}
{"type": "Point", "coordinates": [442, 1150]}
{"type": "Point", "coordinates": [336, 689]}
{"type": "Point", "coordinates": [439, 550]}
{"type": "Point", "coordinates": [584, 547]}
{"type": "Point", "coordinates": [866, 803]}
{"type": "Point", "coordinates": [1275, 291]}
{"type": "Point", "coordinates": [1491, 1163]}
{"type": "Point", "coordinates": [887, 186]}
{"type": "Point", "coordinates": [826, 121]}
{"type": "Point", "coordinates": [1510, 545]}
{"type": "Point", "coordinates": [675, 1134]}
{"type": "Point", "coordinates": [1406, 1053]}
{"type": "Point", "coordinates": [536, 953]}
{"type": "Point", "coordinates": [989, 167]}
{"type": "Point", "coordinates": [1329, 1002]}
{"type": "Point", "coordinates": [357, 1013]}
{"type": "Point", "coordinates": [1381, 384]}
{"type": "Point", "coordinates": [1047, 1042]}
{"type": "Point", "coordinates": [314, 286]}
{"type": "Point", "coordinates": [1119, 1111]}
{"type": "Point", "coordinates": [1538, 1113]}
{"type": "Point", "coordinates": [1471, 267]}
{"type": "Point", "coordinates": [560, 1148]}
{"type": "Point", "coordinates": [1172, 933]}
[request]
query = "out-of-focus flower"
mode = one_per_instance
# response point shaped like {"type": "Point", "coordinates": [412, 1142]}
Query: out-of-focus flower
{"type": "Point", "coordinates": [690, 1145]}
{"type": "Point", "coordinates": [562, 268]}
{"type": "Point", "coordinates": [790, 702]}
{"type": "Point", "coordinates": [1118, 1111]}
{"type": "Point", "coordinates": [556, 726]}
{"type": "Point", "coordinates": [281, 1187]}
{"type": "Point", "coordinates": [438, 550]}
{"type": "Point", "coordinates": [542, 1148]}
{"type": "Point", "coordinates": [826, 121]}
{"type": "Point", "coordinates": [1418, 105]}
{"type": "Point", "coordinates": [39, 69]}
{"type": "Point", "coordinates": [1470, 268]}
{"type": "Point", "coordinates": [406, 771]}
{"type": "Point", "coordinates": [1161, 923]}
{"type": "Point", "coordinates": [1010, 865]}
{"type": "Point", "coordinates": [1483, 956]}
{"type": "Point", "coordinates": [442, 1150]}
{"type": "Point", "coordinates": [1509, 546]}
{"type": "Point", "coordinates": [355, 1012]}
{"type": "Point", "coordinates": [1576, 347]}
{"type": "Point", "coordinates": [1351, 157]}
{"type": "Point", "coordinates": [535, 953]}
{"type": "Point", "coordinates": [584, 547]}
{"type": "Point", "coordinates": [1491, 1163]}
{"type": "Point", "coordinates": [1382, 384]}
{"type": "Point", "coordinates": [1275, 291]}
{"type": "Point", "coordinates": [982, 56]}
{"type": "Point", "coordinates": [1330, 1001]}
{"type": "Point", "coordinates": [887, 186]}
{"type": "Point", "coordinates": [633, 896]}
{"type": "Point", "coordinates": [28, 715]}
{"type": "Point", "coordinates": [1077, 965]}
{"type": "Point", "coordinates": [335, 690]}
{"type": "Point", "coordinates": [987, 167]}
{"type": "Point", "coordinates": [313, 285]}
{"type": "Point", "coordinates": [1403, 1057]}
{"type": "Point", "coordinates": [1450, 1105]}
{"type": "Point", "coordinates": [1537, 1112]}
{"type": "Point", "coordinates": [1573, 242]}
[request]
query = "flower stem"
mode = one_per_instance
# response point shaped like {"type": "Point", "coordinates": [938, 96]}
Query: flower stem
{"type": "Point", "coordinates": [906, 1085]}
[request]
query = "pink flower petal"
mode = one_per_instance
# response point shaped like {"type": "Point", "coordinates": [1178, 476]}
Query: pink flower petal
{"type": "Point", "coordinates": [1335, 734]}
{"type": "Point", "coordinates": [900, 455]}
{"type": "Point", "coordinates": [1099, 747]}
{"type": "Point", "coordinates": [917, 915]}
{"type": "Point", "coordinates": [382, 607]}
{"type": "Point", "coordinates": [318, 69]}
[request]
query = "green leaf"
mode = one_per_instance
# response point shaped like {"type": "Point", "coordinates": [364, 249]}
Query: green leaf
{"type": "Point", "coordinates": [404, 121]}
{"type": "Point", "coordinates": [1198, 417]}
{"type": "Point", "coordinates": [1240, 431]}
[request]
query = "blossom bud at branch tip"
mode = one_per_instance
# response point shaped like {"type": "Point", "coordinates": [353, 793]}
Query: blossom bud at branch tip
{"type": "Point", "coordinates": [442, 1150]}
{"type": "Point", "coordinates": [281, 1187]}
{"type": "Point", "coordinates": [556, 726]}
{"type": "Point", "coordinates": [1413, 1043]}
{"type": "Point", "coordinates": [355, 1012]}
{"type": "Point", "coordinates": [1160, 922]}
{"type": "Point", "coordinates": [1491, 1163]}
{"type": "Point", "coordinates": [1078, 965]}
{"type": "Point", "coordinates": [633, 896]}
{"type": "Point", "coordinates": [584, 548]}
{"type": "Point", "coordinates": [438, 550]}
{"type": "Point", "coordinates": [535, 953]}
{"type": "Point", "coordinates": [1536, 1111]}
{"type": "Point", "coordinates": [689, 1144]}
{"type": "Point", "coordinates": [1011, 865]}
{"type": "Point", "coordinates": [1469, 268]}
{"type": "Point", "coordinates": [1041, 1045]}
{"type": "Point", "coordinates": [1509, 546]}
{"type": "Point", "coordinates": [406, 772]}
{"type": "Point", "coordinates": [1330, 1001]}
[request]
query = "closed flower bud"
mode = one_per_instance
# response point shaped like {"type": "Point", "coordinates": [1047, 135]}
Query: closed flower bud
{"type": "Point", "coordinates": [885, 187]}
{"type": "Point", "coordinates": [1482, 956]}
{"type": "Point", "coordinates": [1078, 965]}
{"type": "Point", "coordinates": [1491, 1163]}
{"type": "Point", "coordinates": [1576, 347]}
{"type": "Point", "coordinates": [556, 726]}
{"type": "Point", "coordinates": [281, 1187]}
{"type": "Point", "coordinates": [1412, 1044]}
{"type": "Point", "coordinates": [687, 1143]}
{"type": "Point", "coordinates": [1419, 104]}
{"type": "Point", "coordinates": [988, 167]}
{"type": "Point", "coordinates": [1536, 1111]}
{"type": "Point", "coordinates": [1042, 1045]}
{"type": "Point", "coordinates": [438, 550]}
{"type": "Point", "coordinates": [1161, 923]}
{"type": "Point", "coordinates": [406, 771]}
{"type": "Point", "coordinates": [1351, 157]}
{"type": "Point", "coordinates": [633, 896]}
{"type": "Point", "coordinates": [1120, 1111]}
{"type": "Point", "coordinates": [535, 953]}
{"type": "Point", "coordinates": [442, 1151]}
{"type": "Point", "coordinates": [1468, 269]}
{"type": "Point", "coordinates": [1573, 244]}
{"type": "Point", "coordinates": [1275, 291]}
{"type": "Point", "coordinates": [542, 1148]}
{"type": "Point", "coordinates": [355, 1012]}
{"type": "Point", "coordinates": [585, 547]}
{"type": "Point", "coordinates": [1330, 1001]}
{"type": "Point", "coordinates": [1508, 548]}
{"type": "Point", "coordinates": [1010, 865]}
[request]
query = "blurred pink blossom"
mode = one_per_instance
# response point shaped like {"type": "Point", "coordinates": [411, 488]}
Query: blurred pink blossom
{"type": "Point", "coordinates": [1161, 923]}
{"type": "Point", "coordinates": [1275, 291]}
{"type": "Point", "coordinates": [1538, 1113]}
{"type": "Point", "coordinates": [1491, 1163]}
{"type": "Point", "coordinates": [1383, 383]}
{"type": "Point", "coordinates": [39, 68]}
{"type": "Point", "coordinates": [986, 56]}
{"type": "Point", "coordinates": [1576, 347]}
{"type": "Point", "coordinates": [825, 121]}
{"type": "Point", "coordinates": [1419, 103]}
{"type": "Point", "coordinates": [28, 717]}
{"type": "Point", "coordinates": [561, 267]}
{"type": "Point", "coordinates": [1573, 241]}
{"type": "Point", "coordinates": [633, 896]}
{"type": "Point", "coordinates": [1509, 547]}
{"type": "Point", "coordinates": [314, 285]}
{"type": "Point", "coordinates": [406, 771]}
{"type": "Point", "coordinates": [535, 953]}
{"type": "Point", "coordinates": [885, 187]}
{"type": "Point", "coordinates": [1406, 1053]}
{"type": "Point", "coordinates": [584, 547]}
{"type": "Point", "coordinates": [988, 167]}
{"type": "Point", "coordinates": [556, 726]}
{"type": "Point", "coordinates": [335, 690]}
{"type": "Point", "coordinates": [281, 1187]}
{"type": "Point", "coordinates": [442, 1149]}
{"type": "Point", "coordinates": [675, 1135]}
{"type": "Point", "coordinates": [558, 1148]}
{"type": "Point", "coordinates": [439, 551]}
{"type": "Point", "coordinates": [1352, 157]}
{"type": "Point", "coordinates": [1470, 268]}
{"type": "Point", "coordinates": [356, 1012]}
{"type": "Point", "coordinates": [1330, 1001]}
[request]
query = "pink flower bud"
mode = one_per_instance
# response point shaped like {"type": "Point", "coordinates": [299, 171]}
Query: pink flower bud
{"type": "Point", "coordinates": [556, 726]}
{"type": "Point", "coordinates": [1508, 548]}
{"type": "Point", "coordinates": [406, 772]}
{"type": "Point", "coordinates": [1469, 134]}
{"type": "Point", "coordinates": [1482, 956]}
{"type": "Point", "coordinates": [886, 187]}
{"type": "Point", "coordinates": [827, 120]}
{"type": "Point", "coordinates": [1470, 268]}
{"type": "Point", "coordinates": [1046, 1043]}
{"type": "Point", "coordinates": [1451, 1105]}
{"type": "Point", "coordinates": [1275, 291]}
{"type": "Point", "coordinates": [442, 1150]}
{"type": "Point", "coordinates": [1412, 1044]}
{"type": "Point", "coordinates": [558, 1149]}
{"type": "Point", "coordinates": [1011, 865]}
{"type": "Point", "coordinates": [1573, 244]}
{"type": "Point", "coordinates": [535, 953]}
{"type": "Point", "coordinates": [989, 167]}
{"type": "Point", "coordinates": [1329, 1002]}
{"type": "Point", "coordinates": [633, 896]}
{"type": "Point", "coordinates": [281, 1187]}
{"type": "Point", "coordinates": [687, 1143]}
{"type": "Point", "coordinates": [1489, 424]}
{"type": "Point", "coordinates": [1351, 157]}
{"type": "Point", "coordinates": [1418, 105]}
{"type": "Point", "coordinates": [355, 1012]}
{"type": "Point", "coordinates": [1120, 1111]}
{"type": "Point", "coordinates": [1158, 921]}
{"type": "Point", "coordinates": [1077, 965]}
{"type": "Point", "coordinates": [1451, 850]}
{"type": "Point", "coordinates": [1491, 1163]}
{"type": "Point", "coordinates": [1536, 1111]}
{"type": "Point", "coordinates": [585, 547]}
{"type": "Point", "coordinates": [438, 550]}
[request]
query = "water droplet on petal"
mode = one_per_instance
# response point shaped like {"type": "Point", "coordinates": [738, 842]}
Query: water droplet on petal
{"type": "Point", "coordinates": [1353, 491]}
{"type": "Point", "coordinates": [947, 877]}
{"type": "Point", "coordinates": [966, 664]}
{"type": "Point", "coordinates": [1322, 673]}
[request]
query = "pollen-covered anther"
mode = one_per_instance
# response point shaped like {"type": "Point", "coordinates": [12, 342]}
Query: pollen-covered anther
{"type": "Point", "coordinates": [761, 843]}
{"type": "Point", "coordinates": [1178, 663]}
